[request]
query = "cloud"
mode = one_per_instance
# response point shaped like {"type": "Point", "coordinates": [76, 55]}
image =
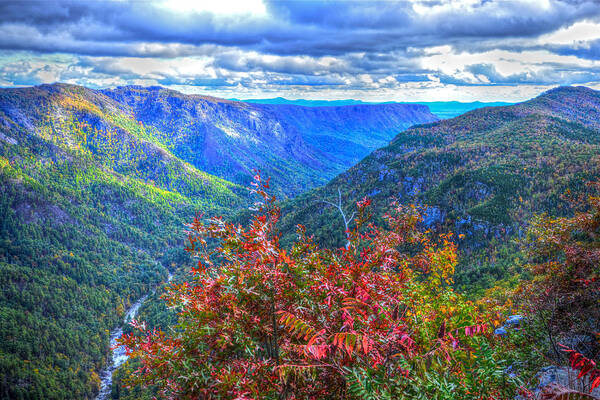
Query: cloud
{"type": "Point", "coordinates": [302, 45]}
{"type": "Point", "coordinates": [314, 28]}
{"type": "Point", "coordinates": [589, 50]}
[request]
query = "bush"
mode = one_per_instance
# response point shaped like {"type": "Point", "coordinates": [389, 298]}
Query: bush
{"type": "Point", "coordinates": [378, 319]}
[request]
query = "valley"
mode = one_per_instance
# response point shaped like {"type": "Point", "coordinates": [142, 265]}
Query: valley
{"type": "Point", "coordinates": [97, 186]}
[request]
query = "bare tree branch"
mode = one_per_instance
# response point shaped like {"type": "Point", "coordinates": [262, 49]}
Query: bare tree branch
{"type": "Point", "coordinates": [346, 219]}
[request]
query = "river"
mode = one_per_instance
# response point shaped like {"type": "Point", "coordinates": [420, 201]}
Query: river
{"type": "Point", "coordinates": [118, 354]}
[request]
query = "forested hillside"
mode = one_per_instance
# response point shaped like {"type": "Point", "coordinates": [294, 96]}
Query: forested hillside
{"type": "Point", "coordinates": [90, 205]}
{"type": "Point", "coordinates": [482, 174]}
{"type": "Point", "coordinates": [96, 187]}
{"type": "Point", "coordinates": [298, 147]}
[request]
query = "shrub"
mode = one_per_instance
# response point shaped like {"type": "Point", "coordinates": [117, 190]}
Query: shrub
{"type": "Point", "coordinates": [378, 319]}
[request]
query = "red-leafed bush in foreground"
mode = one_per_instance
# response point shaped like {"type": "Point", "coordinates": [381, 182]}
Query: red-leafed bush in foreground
{"type": "Point", "coordinates": [587, 368]}
{"type": "Point", "coordinates": [378, 319]}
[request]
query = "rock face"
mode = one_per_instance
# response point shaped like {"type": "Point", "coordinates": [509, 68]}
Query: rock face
{"type": "Point", "coordinates": [564, 377]}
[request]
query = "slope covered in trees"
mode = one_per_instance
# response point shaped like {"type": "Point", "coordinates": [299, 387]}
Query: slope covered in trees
{"type": "Point", "coordinates": [298, 147]}
{"type": "Point", "coordinates": [89, 206]}
{"type": "Point", "coordinates": [95, 187]}
{"type": "Point", "coordinates": [482, 174]}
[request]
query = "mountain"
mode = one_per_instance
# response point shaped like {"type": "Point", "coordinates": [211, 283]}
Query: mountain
{"type": "Point", "coordinates": [441, 109]}
{"type": "Point", "coordinates": [451, 109]}
{"type": "Point", "coordinates": [298, 147]}
{"type": "Point", "coordinates": [482, 174]}
{"type": "Point", "coordinates": [90, 206]}
{"type": "Point", "coordinates": [309, 103]}
{"type": "Point", "coordinates": [95, 188]}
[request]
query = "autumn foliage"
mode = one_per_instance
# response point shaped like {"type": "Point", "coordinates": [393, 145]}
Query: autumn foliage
{"type": "Point", "coordinates": [563, 295]}
{"type": "Point", "coordinates": [566, 269]}
{"type": "Point", "coordinates": [378, 319]}
{"type": "Point", "coordinates": [587, 367]}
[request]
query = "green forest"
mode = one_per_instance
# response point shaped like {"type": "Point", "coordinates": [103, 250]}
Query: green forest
{"type": "Point", "coordinates": [90, 208]}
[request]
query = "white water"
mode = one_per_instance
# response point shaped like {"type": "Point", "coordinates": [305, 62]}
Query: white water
{"type": "Point", "coordinates": [118, 355]}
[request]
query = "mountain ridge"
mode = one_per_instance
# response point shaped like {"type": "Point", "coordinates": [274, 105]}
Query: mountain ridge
{"type": "Point", "coordinates": [237, 137]}
{"type": "Point", "coordinates": [442, 109]}
{"type": "Point", "coordinates": [482, 174]}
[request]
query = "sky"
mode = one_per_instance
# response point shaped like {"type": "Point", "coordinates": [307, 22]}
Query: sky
{"type": "Point", "coordinates": [423, 50]}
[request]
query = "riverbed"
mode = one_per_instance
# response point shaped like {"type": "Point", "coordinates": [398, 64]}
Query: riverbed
{"type": "Point", "coordinates": [118, 354]}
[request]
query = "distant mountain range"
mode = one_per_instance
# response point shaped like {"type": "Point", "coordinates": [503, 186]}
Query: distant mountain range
{"type": "Point", "coordinates": [95, 188]}
{"type": "Point", "coordinates": [442, 109]}
{"type": "Point", "coordinates": [482, 174]}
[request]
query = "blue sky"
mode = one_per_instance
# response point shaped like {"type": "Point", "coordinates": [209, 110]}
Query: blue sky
{"type": "Point", "coordinates": [371, 50]}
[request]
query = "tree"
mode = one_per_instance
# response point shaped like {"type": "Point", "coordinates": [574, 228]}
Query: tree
{"type": "Point", "coordinates": [376, 319]}
{"type": "Point", "coordinates": [345, 218]}
{"type": "Point", "coordinates": [563, 295]}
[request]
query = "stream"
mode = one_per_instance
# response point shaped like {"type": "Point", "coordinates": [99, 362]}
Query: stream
{"type": "Point", "coordinates": [118, 354]}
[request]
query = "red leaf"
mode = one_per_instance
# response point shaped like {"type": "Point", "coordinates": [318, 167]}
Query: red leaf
{"type": "Point", "coordinates": [365, 344]}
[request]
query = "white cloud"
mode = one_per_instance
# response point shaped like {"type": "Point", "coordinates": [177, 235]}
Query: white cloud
{"type": "Point", "coordinates": [217, 7]}
{"type": "Point", "coordinates": [578, 32]}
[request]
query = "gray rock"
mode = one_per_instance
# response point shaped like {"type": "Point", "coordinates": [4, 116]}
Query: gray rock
{"type": "Point", "coordinates": [563, 376]}
{"type": "Point", "coordinates": [514, 320]}
{"type": "Point", "coordinates": [433, 216]}
{"type": "Point", "coordinates": [412, 186]}
{"type": "Point", "coordinates": [501, 331]}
